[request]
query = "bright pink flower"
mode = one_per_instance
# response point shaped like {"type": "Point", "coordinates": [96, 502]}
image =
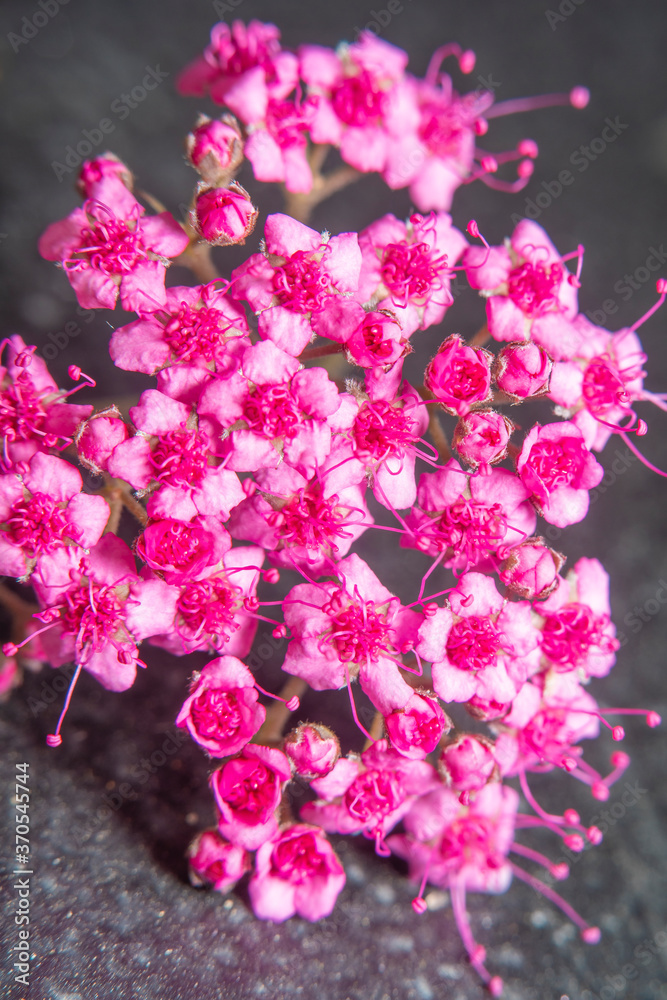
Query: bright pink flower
{"type": "Point", "coordinates": [85, 597]}
{"type": "Point", "coordinates": [171, 457]}
{"type": "Point", "coordinates": [94, 173]}
{"type": "Point", "coordinates": [34, 414]}
{"type": "Point", "coordinates": [313, 750]}
{"type": "Point", "coordinates": [242, 67]}
{"type": "Point", "coordinates": [110, 248]}
{"type": "Point", "coordinates": [468, 517]}
{"type": "Point", "coordinates": [215, 149]}
{"type": "Point", "coordinates": [531, 569]}
{"type": "Point", "coordinates": [348, 628]}
{"type": "Point", "coordinates": [44, 510]}
{"type": "Point", "coordinates": [461, 845]}
{"type": "Point", "coordinates": [224, 215]}
{"type": "Point", "coordinates": [369, 794]}
{"type": "Point", "coordinates": [481, 437]}
{"type": "Point", "coordinates": [407, 267]}
{"type": "Point", "coordinates": [214, 861]}
{"type": "Point", "coordinates": [206, 613]}
{"type": "Point", "coordinates": [459, 376]}
{"type": "Point", "coordinates": [198, 326]}
{"type": "Point", "coordinates": [221, 712]}
{"type": "Point", "coordinates": [522, 370]}
{"type": "Point", "coordinates": [97, 437]}
{"type": "Point", "coordinates": [480, 645]}
{"type": "Point", "coordinates": [180, 551]}
{"type": "Point", "coordinates": [272, 410]}
{"type": "Point", "coordinates": [358, 96]}
{"type": "Point", "coordinates": [555, 464]}
{"type": "Point", "coordinates": [577, 633]}
{"type": "Point", "coordinates": [301, 523]}
{"type": "Point", "coordinates": [296, 873]}
{"type": "Point", "coordinates": [380, 439]}
{"type": "Point", "coordinates": [528, 289]}
{"type": "Point", "coordinates": [467, 764]}
{"type": "Point", "coordinates": [301, 276]}
{"type": "Point", "coordinates": [247, 791]}
{"type": "Point", "coordinates": [277, 145]}
{"type": "Point", "coordinates": [416, 729]}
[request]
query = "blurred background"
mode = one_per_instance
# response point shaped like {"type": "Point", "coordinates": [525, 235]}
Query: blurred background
{"type": "Point", "coordinates": [114, 914]}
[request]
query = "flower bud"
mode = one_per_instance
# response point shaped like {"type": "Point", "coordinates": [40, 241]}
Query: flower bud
{"type": "Point", "coordinates": [531, 569]}
{"type": "Point", "coordinates": [216, 862]}
{"type": "Point", "coordinates": [467, 764]}
{"type": "Point", "coordinates": [523, 370]}
{"type": "Point", "coordinates": [98, 436]}
{"type": "Point", "coordinates": [102, 168]}
{"type": "Point", "coordinates": [481, 438]}
{"type": "Point", "coordinates": [312, 749]}
{"type": "Point", "coordinates": [416, 730]}
{"type": "Point", "coordinates": [459, 375]}
{"type": "Point", "coordinates": [224, 215]}
{"type": "Point", "coordinates": [215, 149]}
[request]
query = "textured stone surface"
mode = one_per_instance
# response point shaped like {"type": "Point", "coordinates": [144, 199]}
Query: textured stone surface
{"type": "Point", "coordinates": [112, 912]}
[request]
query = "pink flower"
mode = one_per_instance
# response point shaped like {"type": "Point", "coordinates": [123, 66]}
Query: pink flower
{"type": "Point", "coordinates": [368, 794]}
{"type": "Point", "coordinates": [247, 791]}
{"type": "Point", "coordinates": [459, 376]}
{"type": "Point", "coordinates": [522, 370]}
{"type": "Point", "coordinates": [221, 712]}
{"type": "Point", "coordinates": [407, 267]}
{"type": "Point", "coordinates": [577, 633]}
{"type": "Point", "coordinates": [97, 437]}
{"type": "Point", "coordinates": [296, 873]}
{"type": "Point", "coordinates": [242, 67]}
{"type": "Point", "coordinates": [481, 437]}
{"type": "Point", "coordinates": [44, 510]}
{"type": "Point", "coordinates": [214, 861]}
{"type": "Point", "coordinates": [416, 729]}
{"type": "Point", "coordinates": [531, 569]}
{"type": "Point", "coordinates": [34, 414]}
{"type": "Point", "coordinates": [467, 764]}
{"type": "Point", "coordinates": [353, 626]}
{"type": "Point", "coordinates": [528, 290]}
{"type": "Point", "coordinates": [468, 516]}
{"type": "Point", "coordinates": [480, 645]}
{"type": "Point", "coordinates": [224, 215]}
{"type": "Point", "coordinates": [301, 276]}
{"type": "Point", "coordinates": [111, 248]}
{"type": "Point", "coordinates": [96, 172]}
{"type": "Point", "coordinates": [555, 464]}
{"type": "Point", "coordinates": [277, 145]}
{"type": "Point", "coordinates": [313, 750]}
{"type": "Point", "coordinates": [301, 523]}
{"type": "Point", "coordinates": [180, 550]}
{"type": "Point", "coordinates": [197, 326]}
{"type": "Point", "coordinates": [215, 149]}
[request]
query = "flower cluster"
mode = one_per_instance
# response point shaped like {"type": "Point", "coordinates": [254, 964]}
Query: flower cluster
{"type": "Point", "coordinates": [245, 453]}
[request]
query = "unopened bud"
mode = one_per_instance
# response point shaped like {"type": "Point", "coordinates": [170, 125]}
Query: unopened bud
{"type": "Point", "coordinates": [224, 215]}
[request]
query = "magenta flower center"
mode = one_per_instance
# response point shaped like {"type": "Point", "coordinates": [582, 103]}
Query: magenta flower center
{"type": "Point", "coordinates": [209, 608]}
{"type": "Point", "coordinates": [38, 525]}
{"type": "Point", "coordinates": [297, 859]}
{"type": "Point", "coordinates": [358, 100]}
{"type": "Point", "coordinates": [180, 458]}
{"type": "Point", "coordinates": [285, 124]}
{"type": "Point", "coordinates": [558, 463]}
{"type": "Point", "coordinates": [569, 635]}
{"type": "Point", "coordinates": [374, 340]}
{"type": "Point", "coordinates": [410, 271]}
{"type": "Point", "coordinates": [534, 287]}
{"type": "Point", "coordinates": [459, 375]}
{"type": "Point", "coordinates": [249, 788]}
{"type": "Point", "coordinates": [373, 795]}
{"type": "Point", "coordinates": [547, 735]}
{"type": "Point", "coordinates": [198, 333]}
{"type": "Point", "coordinates": [443, 127]}
{"type": "Point", "coordinates": [22, 414]}
{"type": "Point", "coordinates": [311, 520]}
{"type": "Point", "coordinates": [216, 713]}
{"type": "Point", "coordinates": [110, 246]}
{"type": "Point", "coordinates": [603, 387]}
{"type": "Point", "coordinates": [473, 643]}
{"type": "Point", "coordinates": [381, 430]}
{"type": "Point", "coordinates": [359, 632]}
{"type": "Point", "coordinates": [244, 48]}
{"type": "Point", "coordinates": [93, 614]}
{"type": "Point", "coordinates": [468, 528]}
{"type": "Point", "coordinates": [301, 283]}
{"type": "Point", "coordinates": [271, 410]}
{"type": "Point", "coordinates": [468, 841]}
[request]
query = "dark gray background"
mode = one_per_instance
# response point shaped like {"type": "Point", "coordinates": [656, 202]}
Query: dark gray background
{"type": "Point", "coordinates": [114, 915]}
